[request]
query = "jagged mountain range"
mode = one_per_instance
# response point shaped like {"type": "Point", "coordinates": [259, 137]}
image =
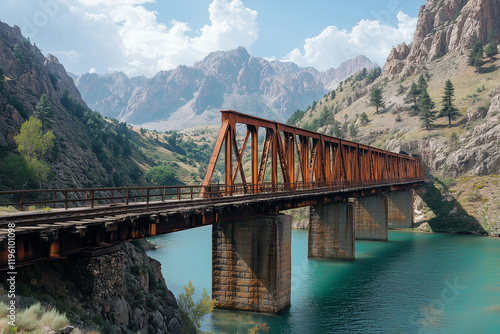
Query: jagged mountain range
{"type": "Point", "coordinates": [190, 96]}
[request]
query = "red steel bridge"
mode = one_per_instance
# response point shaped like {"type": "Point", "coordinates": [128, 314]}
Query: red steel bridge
{"type": "Point", "coordinates": [267, 167]}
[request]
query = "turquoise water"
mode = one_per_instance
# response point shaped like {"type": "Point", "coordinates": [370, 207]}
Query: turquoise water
{"type": "Point", "coordinates": [415, 283]}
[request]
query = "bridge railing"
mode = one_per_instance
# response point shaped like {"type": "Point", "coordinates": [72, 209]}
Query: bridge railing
{"type": "Point", "coordinates": [94, 197]}
{"type": "Point", "coordinates": [216, 190]}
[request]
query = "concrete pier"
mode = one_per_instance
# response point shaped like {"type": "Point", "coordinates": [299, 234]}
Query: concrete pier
{"type": "Point", "coordinates": [331, 231]}
{"type": "Point", "coordinates": [251, 264]}
{"type": "Point", "coordinates": [371, 218]}
{"type": "Point", "coordinates": [400, 209]}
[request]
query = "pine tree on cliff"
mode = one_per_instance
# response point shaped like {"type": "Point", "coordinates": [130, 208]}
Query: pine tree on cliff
{"type": "Point", "coordinates": [449, 110]}
{"type": "Point", "coordinates": [412, 97]}
{"type": "Point", "coordinates": [426, 112]}
{"type": "Point", "coordinates": [422, 83]}
{"type": "Point", "coordinates": [476, 56]}
{"type": "Point", "coordinates": [491, 50]}
{"type": "Point", "coordinates": [376, 98]}
{"type": "Point", "coordinates": [44, 112]}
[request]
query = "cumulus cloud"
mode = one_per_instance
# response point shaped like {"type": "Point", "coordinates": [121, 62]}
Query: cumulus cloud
{"type": "Point", "coordinates": [369, 37]}
{"type": "Point", "coordinates": [149, 46]}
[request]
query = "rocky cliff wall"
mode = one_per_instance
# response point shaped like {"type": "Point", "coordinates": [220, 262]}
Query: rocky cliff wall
{"type": "Point", "coordinates": [124, 290]}
{"type": "Point", "coordinates": [444, 26]}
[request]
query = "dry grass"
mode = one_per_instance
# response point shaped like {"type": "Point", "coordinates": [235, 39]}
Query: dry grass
{"type": "Point", "coordinates": [35, 319]}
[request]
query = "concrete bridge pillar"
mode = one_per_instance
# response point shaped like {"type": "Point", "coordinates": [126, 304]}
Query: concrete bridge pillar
{"type": "Point", "coordinates": [371, 218]}
{"type": "Point", "coordinates": [331, 231]}
{"type": "Point", "coordinates": [400, 209]}
{"type": "Point", "coordinates": [251, 264]}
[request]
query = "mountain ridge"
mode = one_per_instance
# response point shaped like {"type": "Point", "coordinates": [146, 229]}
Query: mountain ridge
{"type": "Point", "coordinates": [191, 96]}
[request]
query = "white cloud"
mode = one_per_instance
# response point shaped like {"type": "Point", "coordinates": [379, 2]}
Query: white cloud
{"type": "Point", "coordinates": [149, 46]}
{"type": "Point", "coordinates": [369, 37]}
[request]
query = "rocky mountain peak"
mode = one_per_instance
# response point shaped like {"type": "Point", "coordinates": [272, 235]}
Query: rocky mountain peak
{"type": "Point", "coordinates": [191, 96]}
{"type": "Point", "coordinates": [444, 26]}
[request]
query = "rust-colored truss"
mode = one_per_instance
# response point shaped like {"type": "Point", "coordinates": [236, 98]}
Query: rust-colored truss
{"type": "Point", "coordinates": [304, 157]}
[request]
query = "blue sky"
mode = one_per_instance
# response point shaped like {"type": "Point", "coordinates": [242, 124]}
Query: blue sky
{"type": "Point", "coordinates": [142, 37]}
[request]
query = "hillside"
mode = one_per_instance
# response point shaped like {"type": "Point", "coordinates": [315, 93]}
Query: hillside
{"type": "Point", "coordinates": [463, 160]}
{"type": "Point", "coordinates": [192, 96]}
{"type": "Point", "coordinates": [88, 150]}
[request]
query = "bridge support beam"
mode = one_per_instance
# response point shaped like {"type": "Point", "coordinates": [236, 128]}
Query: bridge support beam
{"type": "Point", "coordinates": [251, 264]}
{"type": "Point", "coordinates": [400, 209]}
{"type": "Point", "coordinates": [371, 218]}
{"type": "Point", "coordinates": [331, 231]}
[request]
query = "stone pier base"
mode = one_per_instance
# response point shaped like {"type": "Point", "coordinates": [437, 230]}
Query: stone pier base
{"type": "Point", "coordinates": [251, 264]}
{"type": "Point", "coordinates": [331, 231]}
{"type": "Point", "coordinates": [400, 209]}
{"type": "Point", "coordinates": [371, 218]}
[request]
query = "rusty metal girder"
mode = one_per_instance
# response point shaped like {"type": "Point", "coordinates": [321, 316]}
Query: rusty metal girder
{"type": "Point", "coordinates": [302, 156]}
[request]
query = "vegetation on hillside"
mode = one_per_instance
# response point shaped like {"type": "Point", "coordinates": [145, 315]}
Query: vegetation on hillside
{"type": "Point", "coordinates": [445, 101]}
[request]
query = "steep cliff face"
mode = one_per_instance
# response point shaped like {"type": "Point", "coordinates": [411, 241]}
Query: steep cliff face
{"type": "Point", "coordinates": [444, 26]}
{"type": "Point", "coordinates": [191, 96]}
{"type": "Point", "coordinates": [85, 143]}
{"type": "Point", "coordinates": [123, 291]}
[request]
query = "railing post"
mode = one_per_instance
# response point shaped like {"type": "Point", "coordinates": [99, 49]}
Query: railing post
{"type": "Point", "coordinates": [191, 190]}
{"type": "Point", "coordinates": [54, 201]}
{"type": "Point", "coordinates": [92, 199]}
{"type": "Point", "coordinates": [65, 200]}
{"type": "Point", "coordinates": [147, 196]}
{"type": "Point", "coordinates": [127, 197]}
{"type": "Point", "coordinates": [112, 196]}
{"type": "Point", "coordinates": [179, 193]}
{"type": "Point", "coordinates": [163, 195]}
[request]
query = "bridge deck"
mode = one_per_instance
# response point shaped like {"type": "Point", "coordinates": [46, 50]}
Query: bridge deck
{"type": "Point", "coordinates": [62, 233]}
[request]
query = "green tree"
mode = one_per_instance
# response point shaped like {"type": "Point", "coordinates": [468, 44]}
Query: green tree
{"type": "Point", "coordinates": [335, 130]}
{"type": "Point", "coordinates": [449, 110]}
{"type": "Point", "coordinates": [344, 130]}
{"type": "Point", "coordinates": [376, 98]}
{"type": "Point", "coordinates": [426, 112]}
{"type": "Point", "coordinates": [332, 94]}
{"type": "Point", "coordinates": [192, 310]}
{"type": "Point", "coordinates": [412, 97]}
{"type": "Point", "coordinates": [18, 53]}
{"type": "Point", "coordinates": [491, 50]}
{"type": "Point", "coordinates": [161, 176]}
{"type": "Point", "coordinates": [422, 82]}
{"type": "Point", "coordinates": [476, 56]}
{"type": "Point", "coordinates": [34, 145]}
{"type": "Point", "coordinates": [44, 112]}
{"type": "Point", "coordinates": [353, 131]}
{"type": "Point", "coordinates": [15, 173]}
{"type": "Point", "coordinates": [364, 118]}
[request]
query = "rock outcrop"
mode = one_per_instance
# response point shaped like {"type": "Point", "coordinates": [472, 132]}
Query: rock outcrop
{"type": "Point", "coordinates": [190, 96]}
{"type": "Point", "coordinates": [444, 26]}
{"type": "Point", "coordinates": [124, 291]}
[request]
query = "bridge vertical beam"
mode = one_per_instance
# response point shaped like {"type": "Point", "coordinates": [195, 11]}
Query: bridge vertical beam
{"type": "Point", "coordinates": [251, 264]}
{"type": "Point", "coordinates": [371, 218]}
{"type": "Point", "coordinates": [400, 209]}
{"type": "Point", "coordinates": [274, 158]}
{"type": "Point", "coordinates": [255, 155]}
{"type": "Point", "coordinates": [331, 231]}
{"type": "Point", "coordinates": [229, 159]}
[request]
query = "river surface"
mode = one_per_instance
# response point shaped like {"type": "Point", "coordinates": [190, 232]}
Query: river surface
{"type": "Point", "coordinates": [414, 283]}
